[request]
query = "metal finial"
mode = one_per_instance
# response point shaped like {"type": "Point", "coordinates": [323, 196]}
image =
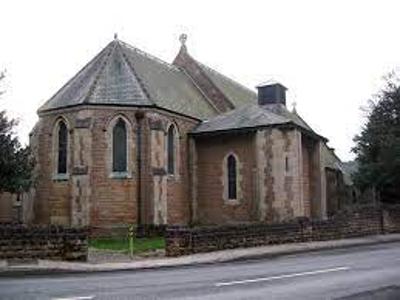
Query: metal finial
{"type": "Point", "coordinates": [183, 38]}
{"type": "Point", "coordinates": [115, 36]}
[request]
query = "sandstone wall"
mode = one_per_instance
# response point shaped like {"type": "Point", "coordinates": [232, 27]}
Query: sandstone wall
{"type": "Point", "coordinates": [7, 213]}
{"type": "Point", "coordinates": [14, 209]}
{"type": "Point", "coordinates": [363, 222]}
{"type": "Point", "coordinates": [281, 174]}
{"type": "Point", "coordinates": [19, 241]}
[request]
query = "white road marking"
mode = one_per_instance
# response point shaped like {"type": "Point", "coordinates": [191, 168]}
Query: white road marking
{"type": "Point", "coordinates": [76, 298]}
{"type": "Point", "coordinates": [282, 276]}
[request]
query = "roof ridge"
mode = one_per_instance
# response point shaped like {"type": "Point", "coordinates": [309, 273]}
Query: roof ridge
{"type": "Point", "coordinates": [224, 76]}
{"type": "Point", "coordinates": [150, 56]}
{"type": "Point", "coordinates": [95, 81]}
{"type": "Point", "coordinates": [200, 90]}
{"type": "Point", "coordinates": [137, 77]}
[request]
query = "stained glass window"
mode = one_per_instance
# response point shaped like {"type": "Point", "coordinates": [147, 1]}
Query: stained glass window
{"type": "Point", "coordinates": [119, 147]}
{"type": "Point", "coordinates": [232, 174]}
{"type": "Point", "coordinates": [62, 148]}
{"type": "Point", "coordinates": [171, 150]}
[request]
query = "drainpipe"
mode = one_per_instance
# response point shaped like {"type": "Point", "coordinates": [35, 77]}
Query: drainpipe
{"type": "Point", "coordinates": [139, 115]}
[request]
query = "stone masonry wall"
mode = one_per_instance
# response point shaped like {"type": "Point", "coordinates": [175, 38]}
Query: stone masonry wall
{"type": "Point", "coordinates": [282, 175]}
{"type": "Point", "coordinates": [170, 192]}
{"type": "Point", "coordinates": [366, 221]}
{"type": "Point", "coordinates": [391, 219]}
{"type": "Point", "coordinates": [7, 213]}
{"type": "Point", "coordinates": [53, 242]}
{"type": "Point", "coordinates": [14, 208]}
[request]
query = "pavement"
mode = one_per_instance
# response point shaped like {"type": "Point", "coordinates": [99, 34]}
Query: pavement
{"type": "Point", "coordinates": [51, 267]}
{"type": "Point", "coordinates": [362, 272]}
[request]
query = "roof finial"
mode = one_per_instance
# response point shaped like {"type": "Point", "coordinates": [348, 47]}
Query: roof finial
{"type": "Point", "coordinates": [115, 36]}
{"type": "Point", "coordinates": [183, 38]}
{"type": "Point", "coordinates": [294, 104]}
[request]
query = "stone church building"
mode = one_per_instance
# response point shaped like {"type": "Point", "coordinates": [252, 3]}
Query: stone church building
{"type": "Point", "coordinates": [131, 139]}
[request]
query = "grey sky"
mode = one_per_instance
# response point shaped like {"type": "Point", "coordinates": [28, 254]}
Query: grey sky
{"type": "Point", "coordinates": [330, 54]}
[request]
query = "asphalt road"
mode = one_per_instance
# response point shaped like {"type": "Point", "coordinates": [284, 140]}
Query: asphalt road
{"type": "Point", "coordinates": [369, 272]}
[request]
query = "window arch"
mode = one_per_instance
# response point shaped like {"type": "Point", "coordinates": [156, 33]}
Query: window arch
{"type": "Point", "coordinates": [62, 147]}
{"type": "Point", "coordinates": [231, 165]}
{"type": "Point", "coordinates": [119, 146]}
{"type": "Point", "coordinates": [171, 155]}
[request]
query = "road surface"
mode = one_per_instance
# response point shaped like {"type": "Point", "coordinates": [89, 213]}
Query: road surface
{"type": "Point", "coordinates": [367, 272]}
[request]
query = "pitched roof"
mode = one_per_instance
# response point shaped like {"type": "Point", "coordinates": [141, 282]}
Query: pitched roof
{"type": "Point", "coordinates": [331, 160]}
{"type": "Point", "coordinates": [124, 75]}
{"type": "Point", "coordinates": [250, 117]}
{"type": "Point", "coordinates": [238, 94]}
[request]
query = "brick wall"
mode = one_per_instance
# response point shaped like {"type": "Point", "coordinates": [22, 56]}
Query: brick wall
{"type": "Point", "coordinates": [365, 221]}
{"type": "Point", "coordinates": [270, 177]}
{"type": "Point", "coordinates": [53, 242]}
{"type": "Point", "coordinates": [90, 195]}
{"type": "Point", "coordinates": [212, 208]}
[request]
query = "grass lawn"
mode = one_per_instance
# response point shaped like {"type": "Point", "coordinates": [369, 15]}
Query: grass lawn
{"type": "Point", "coordinates": [122, 244]}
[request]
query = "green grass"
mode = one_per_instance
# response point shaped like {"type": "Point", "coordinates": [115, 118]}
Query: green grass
{"type": "Point", "coordinates": [122, 244]}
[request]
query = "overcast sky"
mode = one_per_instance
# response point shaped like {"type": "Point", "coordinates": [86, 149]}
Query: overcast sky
{"type": "Point", "coordinates": [330, 54]}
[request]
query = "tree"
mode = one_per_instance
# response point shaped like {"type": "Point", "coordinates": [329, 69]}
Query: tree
{"type": "Point", "coordinates": [16, 163]}
{"type": "Point", "coordinates": [378, 145]}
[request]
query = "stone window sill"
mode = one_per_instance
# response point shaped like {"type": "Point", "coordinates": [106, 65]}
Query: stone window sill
{"type": "Point", "coordinates": [61, 177]}
{"type": "Point", "coordinates": [120, 175]}
{"type": "Point", "coordinates": [173, 177]}
{"type": "Point", "coordinates": [232, 201]}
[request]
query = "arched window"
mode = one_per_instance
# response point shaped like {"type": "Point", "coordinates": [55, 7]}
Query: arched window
{"type": "Point", "coordinates": [62, 136]}
{"type": "Point", "coordinates": [171, 150]}
{"type": "Point", "coordinates": [119, 147]}
{"type": "Point", "coordinates": [232, 176]}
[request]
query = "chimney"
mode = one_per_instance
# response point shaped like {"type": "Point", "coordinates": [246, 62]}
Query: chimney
{"type": "Point", "coordinates": [271, 92]}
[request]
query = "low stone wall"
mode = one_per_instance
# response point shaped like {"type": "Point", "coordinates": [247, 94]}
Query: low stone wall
{"type": "Point", "coordinates": [109, 232]}
{"type": "Point", "coordinates": [151, 230]}
{"type": "Point", "coordinates": [366, 221]}
{"type": "Point", "coordinates": [18, 241]}
{"type": "Point", "coordinates": [391, 219]}
{"type": "Point", "coordinates": [118, 231]}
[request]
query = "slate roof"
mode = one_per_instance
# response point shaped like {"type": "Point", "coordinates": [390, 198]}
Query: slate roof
{"type": "Point", "coordinates": [238, 94]}
{"type": "Point", "coordinates": [250, 117]}
{"type": "Point", "coordinates": [124, 75]}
